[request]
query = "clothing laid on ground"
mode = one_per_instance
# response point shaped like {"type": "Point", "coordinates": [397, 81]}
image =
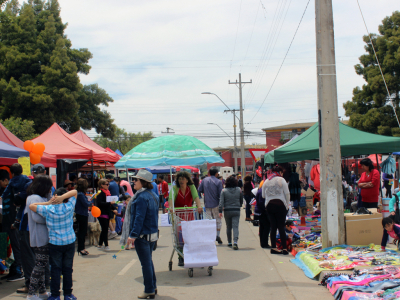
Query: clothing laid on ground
{"type": "Point", "coordinates": [370, 194]}
{"type": "Point", "coordinates": [211, 187]}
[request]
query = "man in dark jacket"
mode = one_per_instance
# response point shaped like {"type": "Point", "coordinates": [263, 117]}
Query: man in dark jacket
{"type": "Point", "coordinates": [10, 222]}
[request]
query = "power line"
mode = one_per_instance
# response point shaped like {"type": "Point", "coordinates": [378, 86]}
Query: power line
{"type": "Point", "coordinates": [282, 61]}
{"type": "Point", "coordinates": [383, 77]}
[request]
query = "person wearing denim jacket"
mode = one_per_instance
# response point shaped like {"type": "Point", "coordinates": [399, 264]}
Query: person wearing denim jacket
{"type": "Point", "coordinates": [143, 228]}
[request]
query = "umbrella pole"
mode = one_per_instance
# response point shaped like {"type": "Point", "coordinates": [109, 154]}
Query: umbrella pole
{"type": "Point", "coordinates": [172, 189]}
{"type": "Point", "coordinates": [127, 176]}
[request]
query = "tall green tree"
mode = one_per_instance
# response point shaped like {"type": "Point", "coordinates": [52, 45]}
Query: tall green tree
{"type": "Point", "coordinates": [370, 108]}
{"type": "Point", "coordinates": [23, 129]}
{"type": "Point", "coordinates": [124, 141]}
{"type": "Point", "coordinates": [39, 72]}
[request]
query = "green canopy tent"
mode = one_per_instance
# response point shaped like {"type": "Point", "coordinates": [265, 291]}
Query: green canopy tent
{"type": "Point", "coordinates": [352, 142]}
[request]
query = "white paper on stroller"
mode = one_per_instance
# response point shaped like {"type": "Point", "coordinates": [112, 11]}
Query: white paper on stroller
{"type": "Point", "coordinates": [164, 221]}
{"type": "Point", "coordinates": [199, 248]}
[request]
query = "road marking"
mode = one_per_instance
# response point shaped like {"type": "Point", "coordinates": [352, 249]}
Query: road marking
{"type": "Point", "coordinates": [127, 267]}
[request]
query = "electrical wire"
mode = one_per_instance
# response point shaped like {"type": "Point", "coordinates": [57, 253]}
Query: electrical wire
{"type": "Point", "coordinates": [376, 56]}
{"type": "Point", "coordinates": [264, 69]}
{"type": "Point", "coordinates": [298, 26]}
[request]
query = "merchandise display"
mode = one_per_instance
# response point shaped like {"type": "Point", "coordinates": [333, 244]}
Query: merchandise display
{"type": "Point", "coordinates": [344, 257]}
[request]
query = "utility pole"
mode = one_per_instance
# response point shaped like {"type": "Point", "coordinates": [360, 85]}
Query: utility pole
{"type": "Point", "coordinates": [234, 138]}
{"type": "Point", "coordinates": [242, 156]}
{"type": "Point", "coordinates": [329, 136]}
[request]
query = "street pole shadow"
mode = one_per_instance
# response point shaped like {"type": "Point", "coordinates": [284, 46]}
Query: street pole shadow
{"type": "Point", "coordinates": [180, 277]}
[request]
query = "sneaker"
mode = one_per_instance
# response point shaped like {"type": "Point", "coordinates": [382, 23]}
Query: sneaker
{"type": "Point", "coordinates": [235, 246]}
{"type": "Point", "coordinates": [15, 277]}
{"type": "Point", "coordinates": [106, 248]}
{"type": "Point", "coordinates": [229, 244]}
{"type": "Point", "coordinates": [23, 290]}
{"type": "Point", "coordinates": [218, 239]}
{"type": "Point", "coordinates": [34, 297]}
{"type": "Point", "coordinates": [54, 298]}
{"type": "Point", "coordinates": [112, 235]}
{"type": "Point", "coordinates": [44, 296]}
{"type": "Point", "coordinates": [100, 247]}
{"type": "Point", "coordinates": [70, 297]}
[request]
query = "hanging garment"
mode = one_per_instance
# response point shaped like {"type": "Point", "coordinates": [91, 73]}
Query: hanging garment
{"type": "Point", "coordinates": [294, 187]}
{"type": "Point", "coordinates": [388, 165]}
{"type": "Point", "coordinates": [315, 176]}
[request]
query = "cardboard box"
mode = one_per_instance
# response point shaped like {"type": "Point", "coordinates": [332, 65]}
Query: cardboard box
{"type": "Point", "coordinates": [363, 229]}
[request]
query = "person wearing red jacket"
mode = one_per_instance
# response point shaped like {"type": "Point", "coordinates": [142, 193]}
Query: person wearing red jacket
{"type": "Point", "coordinates": [163, 191]}
{"type": "Point", "coordinates": [369, 184]}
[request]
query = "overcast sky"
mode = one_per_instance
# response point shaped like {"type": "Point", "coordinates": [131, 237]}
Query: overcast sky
{"type": "Point", "coordinates": [155, 58]}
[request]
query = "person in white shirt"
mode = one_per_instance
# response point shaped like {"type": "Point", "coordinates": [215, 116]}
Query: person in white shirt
{"type": "Point", "coordinates": [275, 190]}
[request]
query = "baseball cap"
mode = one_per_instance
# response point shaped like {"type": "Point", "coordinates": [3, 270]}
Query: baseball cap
{"type": "Point", "coordinates": [38, 168]}
{"type": "Point", "coordinates": [144, 175]}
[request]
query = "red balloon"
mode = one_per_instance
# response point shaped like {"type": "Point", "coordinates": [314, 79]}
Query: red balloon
{"type": "Point", "coordinates": [28, 145]}
{"type": "Point", "coordinates": [259, 171]}
{"type": "Point", "coordinates": [96, 212]}
{"type": "Point", "coordinates": [38, 149]}
{"type": "Point", "coordinates": [35, 158]}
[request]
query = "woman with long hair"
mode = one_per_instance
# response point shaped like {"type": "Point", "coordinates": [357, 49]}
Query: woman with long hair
{"type": "Point", "coordinates": [184, 195]}
{"type": "Point", "coordinates": [275, 190]}
{"type": "Point", "coordinates": [141, 227]}
{"type": "Point", "coordinates": [39, 192]}
{"type": "Point", "coordinates": [105, 208]}
{"type": "Point", "coordinates": [82, 214]}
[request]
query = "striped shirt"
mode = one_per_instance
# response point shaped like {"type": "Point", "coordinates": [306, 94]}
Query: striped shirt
{"type": "Point", "coordinates": [59, 221]}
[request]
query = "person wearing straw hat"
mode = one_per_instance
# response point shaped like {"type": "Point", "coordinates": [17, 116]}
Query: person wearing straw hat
{"type": "Point", "coordinates": [140, 229]}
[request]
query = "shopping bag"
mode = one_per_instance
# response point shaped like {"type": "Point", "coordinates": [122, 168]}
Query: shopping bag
{"type": "Point", "coordinates": [199, 249]}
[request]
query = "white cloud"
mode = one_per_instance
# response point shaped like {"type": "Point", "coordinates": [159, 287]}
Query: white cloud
{"type": "Point", "coordinates": [156, 57]}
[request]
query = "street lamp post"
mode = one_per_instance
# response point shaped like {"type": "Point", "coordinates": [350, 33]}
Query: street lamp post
{"type": "Point", "coordinates": [233, 111]}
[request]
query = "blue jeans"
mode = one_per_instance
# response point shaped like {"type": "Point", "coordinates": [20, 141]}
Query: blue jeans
{"type": "Point", "coordinates": [144, 250]}
{"type": "Point", "coordinates": [61, 261]}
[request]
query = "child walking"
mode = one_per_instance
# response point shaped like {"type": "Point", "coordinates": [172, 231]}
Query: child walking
{"type": "Point", "coordinates": [390, 229]}
{"type": "Point", "coordinates": [59, 221]}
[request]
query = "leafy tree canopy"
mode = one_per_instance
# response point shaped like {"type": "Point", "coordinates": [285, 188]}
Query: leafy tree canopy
{"type": "Point", "coordinates": [23, 129]}
{"type": "Point", "coordinates": [124, 141]}
{"type": "Point", "coordinates": [370, 108]}
{"type": "Point", "coordinates": [39, 71]}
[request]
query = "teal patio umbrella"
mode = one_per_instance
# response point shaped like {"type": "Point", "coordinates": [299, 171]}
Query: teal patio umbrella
{"type": "Point", "coordinates": [169, 150]}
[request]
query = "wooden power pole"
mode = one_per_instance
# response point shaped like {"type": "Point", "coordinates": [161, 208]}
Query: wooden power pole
{"type": "Point", "coordinates": [329, 136]}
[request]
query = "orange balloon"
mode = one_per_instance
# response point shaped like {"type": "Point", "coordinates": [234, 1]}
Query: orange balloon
{"type": "Point", "coordinates": [38, 149]}
{"type": "Point", "coordinates": [96, 212]}
{"type": "Point", "coordinates": [28, 145]}
{"type": "Point", "coordinates": [35, 158]}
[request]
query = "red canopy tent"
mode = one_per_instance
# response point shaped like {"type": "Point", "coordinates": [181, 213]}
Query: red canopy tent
{"type": "Point", "coordinates": [48, 160]}
{"type": "Point", "coordinates": [192, 169]}
{"type": "Point", "coordinates": [112, 151]}
{"type": "Point", "coordinates": [81, 136]}
{"type": "Point", "coordinates": [64, 146]}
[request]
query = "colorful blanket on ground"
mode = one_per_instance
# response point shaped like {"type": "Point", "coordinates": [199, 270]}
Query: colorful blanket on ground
{"type": "Point", "coordinates": [344, 257]}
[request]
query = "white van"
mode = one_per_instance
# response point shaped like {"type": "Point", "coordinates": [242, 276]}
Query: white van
{"type": "Point", "coordinates": [225, 172]}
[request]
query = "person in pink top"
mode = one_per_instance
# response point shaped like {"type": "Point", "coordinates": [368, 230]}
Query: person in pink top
{"type": "Point", "coordinates": [389, 229]}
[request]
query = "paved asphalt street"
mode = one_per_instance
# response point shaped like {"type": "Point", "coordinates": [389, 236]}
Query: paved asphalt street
{"type": "Point", "coordinates": [250, 273]}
